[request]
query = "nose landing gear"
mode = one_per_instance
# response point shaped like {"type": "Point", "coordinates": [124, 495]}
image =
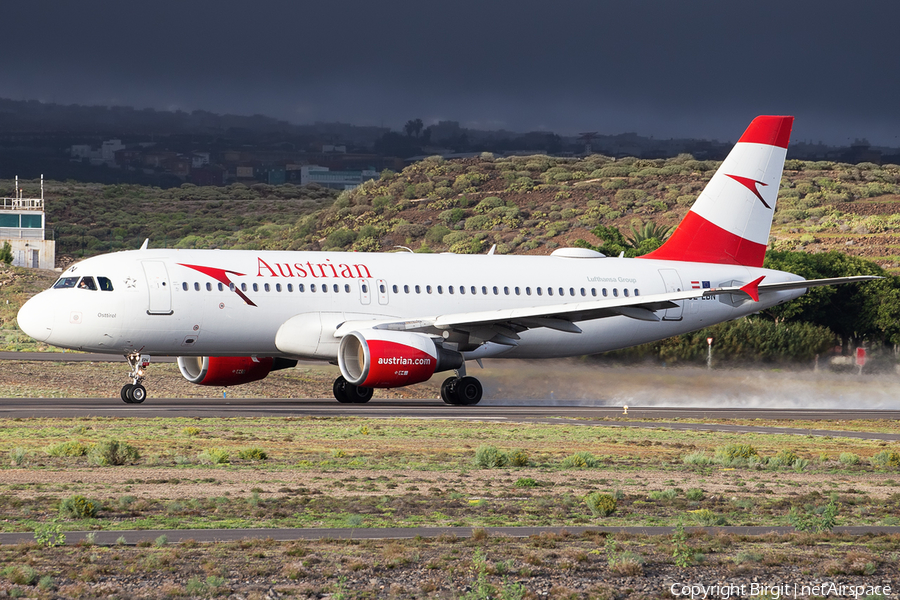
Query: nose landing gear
{"type": "Point", "coordinates": [135, 393]}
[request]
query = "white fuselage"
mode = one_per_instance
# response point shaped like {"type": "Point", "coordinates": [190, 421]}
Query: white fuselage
{"type": "Point", "coordinates": [158, 306]}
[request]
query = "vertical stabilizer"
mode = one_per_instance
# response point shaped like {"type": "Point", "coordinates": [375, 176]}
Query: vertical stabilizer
{"type": "Point", "coordinates": [730, 221]}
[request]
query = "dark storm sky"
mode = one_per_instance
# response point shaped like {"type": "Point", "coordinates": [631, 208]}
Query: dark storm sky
{"type": "Point", "coordinates": [666, 68]}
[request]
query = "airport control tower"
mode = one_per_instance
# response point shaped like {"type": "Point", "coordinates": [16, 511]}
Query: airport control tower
{"type": "Point", "coordinates": [22, 223]}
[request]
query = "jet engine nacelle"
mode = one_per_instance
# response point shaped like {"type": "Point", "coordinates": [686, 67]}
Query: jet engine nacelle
{"type": "Point", "coordinates": [229, 370]}
{"type": "Point", "coordinates": [375, 358]}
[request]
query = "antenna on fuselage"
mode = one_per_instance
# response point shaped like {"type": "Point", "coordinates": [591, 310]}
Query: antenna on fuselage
{"type": "Point", "coordinates": [145, 244]}
{"type": "Point", "coordinates": [491, 251]}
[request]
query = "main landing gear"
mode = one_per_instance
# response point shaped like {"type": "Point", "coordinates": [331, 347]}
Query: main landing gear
{"type": "Point", "coordinates": [464, 391]}
{"type": "Point", "coordinates": [135, 393]}
{"type": "Point", "coordinates": [348, 393]}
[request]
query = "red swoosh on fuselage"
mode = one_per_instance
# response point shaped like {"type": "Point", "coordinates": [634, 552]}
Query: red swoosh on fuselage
{"type": "Point", "coordinates": [221, 275]}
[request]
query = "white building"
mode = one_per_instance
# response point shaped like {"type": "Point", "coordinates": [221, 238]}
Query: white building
{"type": "Point", "coordinates": [22, 225]}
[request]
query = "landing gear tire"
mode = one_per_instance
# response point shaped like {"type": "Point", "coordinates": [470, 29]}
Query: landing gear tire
{"type": "Point", "coordinates": [348, 393]}
{"type": "Point", "coordinates": [461, 391]}
{"type": "Point", "coordinates": [448, 390]}
{"type": "Point", "coordinates": [138, 394]}
{"type": "Point", "coordinates": [126, 393]}
{"type": "Point", "coordinates": [468, 391]}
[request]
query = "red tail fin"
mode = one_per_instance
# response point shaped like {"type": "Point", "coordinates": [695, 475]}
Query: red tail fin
{"type": "Point", "coordinates": [730, 221]}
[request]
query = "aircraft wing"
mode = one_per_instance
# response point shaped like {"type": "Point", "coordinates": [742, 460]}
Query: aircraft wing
{"type": "Point", "coordinates": [502, 326]}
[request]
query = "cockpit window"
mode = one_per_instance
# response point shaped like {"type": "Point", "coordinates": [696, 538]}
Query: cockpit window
{"type": "Point", "coordinates": [87, 283]}
{"type": "Point", "coordinates": [65, 282]}
{"type": "Point", "coordinates": [105, 284]}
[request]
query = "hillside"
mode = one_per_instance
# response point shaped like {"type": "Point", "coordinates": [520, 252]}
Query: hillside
{"type": "Point", "coordinates": [525, 205]}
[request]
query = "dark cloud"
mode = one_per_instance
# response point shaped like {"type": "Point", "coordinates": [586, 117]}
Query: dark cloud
{"type": "Point", "coordinates": [663, 68]}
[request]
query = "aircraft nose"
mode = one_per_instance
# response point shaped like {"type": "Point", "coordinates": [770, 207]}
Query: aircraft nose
{"type": "Point", "coordinates": [36, 318]}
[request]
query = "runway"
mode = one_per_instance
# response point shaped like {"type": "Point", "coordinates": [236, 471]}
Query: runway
{"type": "Point", "coordinates": [497, 411]}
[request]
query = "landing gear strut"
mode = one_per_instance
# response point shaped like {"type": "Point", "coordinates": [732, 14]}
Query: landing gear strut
{"type": "Point", "coordinates": [346, 392]}
{"type": "Point", "coordinates": [464, 391]}
{"type": "Point", "coordinates": [134, 392]}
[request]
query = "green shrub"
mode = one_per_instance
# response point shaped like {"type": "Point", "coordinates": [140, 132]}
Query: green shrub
{"type": "Point", "coordinates": [580, 460]}
{"type": "Point", "coordinates": [436, 234]}
{"type": "Point", "coordinates": [662, 494]}
{"type": "Point", "coordinates": [252, 454]}
{"type": "Point", "coordinates": [707, 518]}
{"type": "Point", "coordinates": [340, 238]}
{"type": "Point", "coordinates": [518, 458]}
{"type": "Point", "coordinates": [191, 431]}
{"type": "Point", "coordinates": [736, 451]}
{"type": "Point", "coordinates": [488, 203]}
{"type": "Point", "coordinates": [112, 452]}
{"type": "Point", "coordinates": [785, 458]}
{"type": "Point", "coordinates": [848, 458]}
{"type": "Point", "coordinates": [814, 519]}
{"type": "Point", "coordinates": [698, 458]}
{"type": "Point", "coordinates": [78, 507]}
{"type": "Point", "coordinates": [526, 482]}
{"type": "Point", "coordinates": [488, 457]}
{"type": "Point", "coordinates": [695, 494]}
{"type": "Point", "coordinates": [17, 456]}
{"type": "Point", "coordinates": [213, 456]}
{"type": "Point", "coordinates": [19, 574]}
{"type": "Point", "coordinates": [887, 458]}
{"type": "Point", "coordinates": [70, 448]}
{"type": "Point", "coordinates": [601, 505]}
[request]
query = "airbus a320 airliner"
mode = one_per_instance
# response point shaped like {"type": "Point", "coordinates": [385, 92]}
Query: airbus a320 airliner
{"type": "Point", "coordinates": [394, 319]}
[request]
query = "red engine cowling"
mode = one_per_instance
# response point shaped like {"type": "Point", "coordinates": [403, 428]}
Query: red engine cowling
{"type": "Point", "coordinates": [224, 370]}
{"type": "Point", "coordinates": [385, 359]}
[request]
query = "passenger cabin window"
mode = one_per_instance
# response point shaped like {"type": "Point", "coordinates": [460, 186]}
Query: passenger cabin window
{"type": "Point", "coordinates": [105, 284]}
{"type": "Point", "coordinates": [300, 287]}
{"type": "Point", "coordinates": [87, 283]}
{"type": "Point", "coordinates": [65, 282]}
{"type": "Point", "coordinates": [209, 286]}
{"type": "Point", "coordinates": [184, 285]}
{"type": "Point", "coordinates": [266, 287]}
{"type": "Point", "coordinates": [462, 289]}
{"type": "Point", "coordinates": [290, 287]}
{"type": "Point", "coordinates": [347, 287]}
{"type": "Point", "coordinates": [277, 287]}
{"type": "Point", "coordinates": [473, 290]}
{"type": "Point", "coordinates": [395, 288]}
{"type": "Point", "coordinates": [196, 286]}
{"type": "Point", "coordinates": [418, 290]}
{"type": "Point", "coordinates": [221, 288]}
{"type": "Point", "coordinates": [255, 287]}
